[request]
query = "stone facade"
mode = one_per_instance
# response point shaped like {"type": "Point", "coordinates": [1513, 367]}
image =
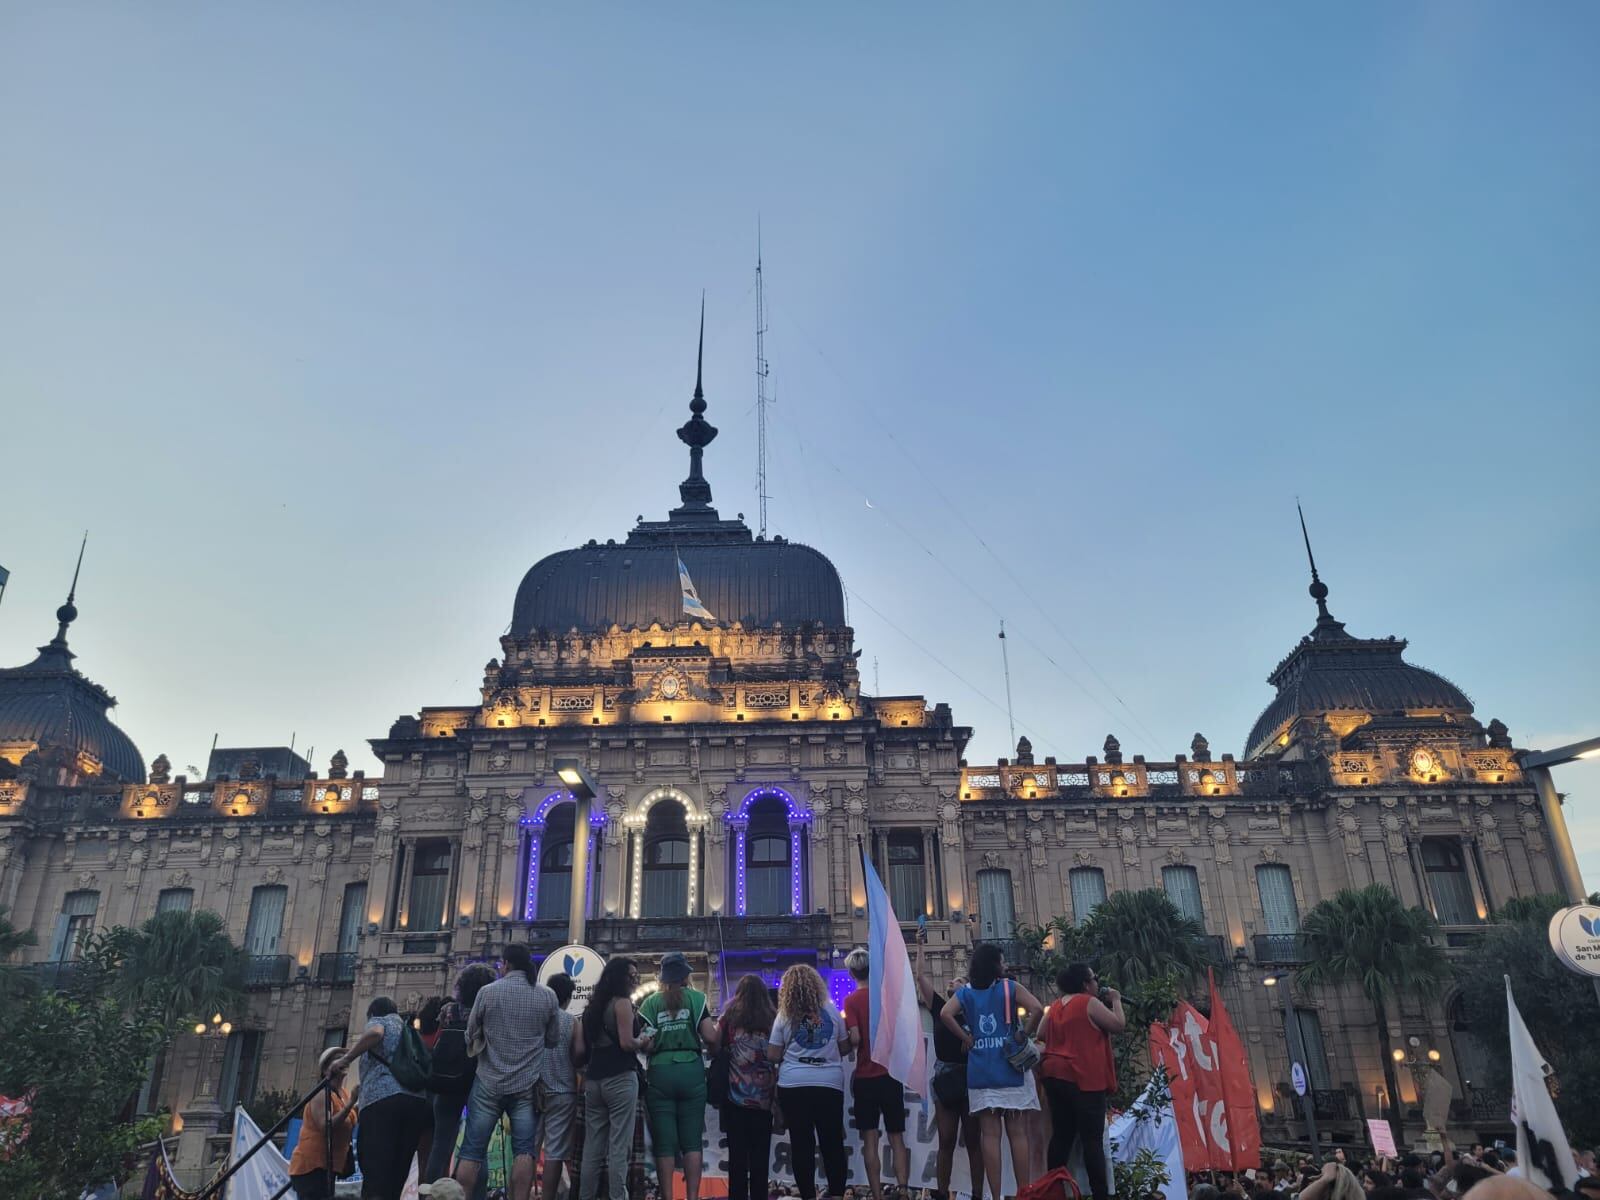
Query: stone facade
{"type": "Point", "coordinates": [741, 771]}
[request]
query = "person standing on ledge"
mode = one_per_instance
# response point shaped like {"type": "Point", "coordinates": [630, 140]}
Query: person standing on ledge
{"type": "Point", "coordinates": [877, 1099]}
{"type": "Point", "coordinates": [675, 1099]}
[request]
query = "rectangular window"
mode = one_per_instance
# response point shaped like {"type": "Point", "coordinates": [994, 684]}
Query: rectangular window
{"type": "Point", "coordinates": [264, 929]}
{"type": "Point", "coordinates": [1316, 1052]}
{"type": "Point", "coordinates": [997, 911]}
{"type": "Point", "coordinates": [430, 883]}
{"type": "Point", "coordinates": [1278, 906]}
{"type": "Point", "coordinates": [74, 925]}
{"type": "Point", "coordinates": [1088, 886]}
{"type": "Point", "coordinates": [352, 917]}
{"type": "Point", "coordinates": [1182, 885]}
{"type": "Point", "coordinates": [1444, 865]}
{"type": "Point", "coordinates": [175, 900]}
{"type": "Point", "coordinates": [907, 879]}
{"type": "Point", "coordinates": [241, 1064]}
{"type": "Point", "coordinates": [333, 1036]}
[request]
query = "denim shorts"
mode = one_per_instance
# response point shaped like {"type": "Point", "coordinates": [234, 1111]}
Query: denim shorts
{"type": "Point", "coordinates": [483, 1114]}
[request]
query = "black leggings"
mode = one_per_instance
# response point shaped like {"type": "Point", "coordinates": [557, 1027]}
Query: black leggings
{"type": "Point", "coordinates": [815, 1114]}
{"type": "Point", "coordinates": [390, 1130]}
{"type": "Point", "coordinates": [1078, 1116]}
{"type": "Point", "coordinates": [749, 1134]}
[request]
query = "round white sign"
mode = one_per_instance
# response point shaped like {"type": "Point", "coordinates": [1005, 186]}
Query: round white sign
{"type": "Point", "coordinates": [1575, 933]}
{"type": "Point", "coordinates": [1298, 1074]}
{"type": "Point", "coordinates": [583, 964]}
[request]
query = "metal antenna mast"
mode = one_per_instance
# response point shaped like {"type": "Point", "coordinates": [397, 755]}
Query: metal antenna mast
{"type": "Point", "coordinates": [761, 391]}
{"type": "Point", "coordinates": [1005, 657]}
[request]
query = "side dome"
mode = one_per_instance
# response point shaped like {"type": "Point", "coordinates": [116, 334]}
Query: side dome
{"type": "Point", "coordinates": [49, 707]}
{"type": "Point", "coordinates": [635, 584]}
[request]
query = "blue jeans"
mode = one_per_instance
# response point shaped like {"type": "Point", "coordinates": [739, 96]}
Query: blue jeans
{"type": "Point", "coordinates": [483, 1114]}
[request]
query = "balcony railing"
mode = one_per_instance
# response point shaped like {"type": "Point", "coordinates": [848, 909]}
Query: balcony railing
{"type": "Point", "coordinates": [265, 970]}
{"type": "Point", "coordinates": [1214, 947]}
{"type": "Point", "coordinates": [1273, 948]}
{"type": "Point", "coordinates": [336, 968]}
{"type": "Point", "coordinates": [654, 933]}
{"type": "Point", "coordinates": [1330, 1104]}
{"type": "Point", "coordinates": [1489, 1108]}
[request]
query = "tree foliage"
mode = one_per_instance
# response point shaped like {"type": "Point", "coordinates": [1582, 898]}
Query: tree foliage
{"type": "Point", "coordinates": [81, 1052]}
{"type": "Point", "coordinates": [1557, 1004]}
{"type": "Point", "coordinates": [12, 939]}
{"type": "Point", "coordinates": [1368, 938]}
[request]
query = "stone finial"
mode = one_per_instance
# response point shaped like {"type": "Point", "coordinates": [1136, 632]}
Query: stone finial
{"type": "Point", "coordinates": [250, 767]}
{"type": "Point", "coordinates": [1499, 735]}
{"type": "Point", "coordinates": [1024, 752]}
{"type": "Point", "coordinates": [161, 770]}
{"type": "Point", "coordinates": [1113, 749]}
{"type": "Point", "coordinates": [1200, 748]}
{"type": "Point", "coordinates": [338, 766]}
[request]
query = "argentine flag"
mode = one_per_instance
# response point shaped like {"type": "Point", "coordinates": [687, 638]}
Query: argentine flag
{"type": "Point", "coordinates": [691, 598]}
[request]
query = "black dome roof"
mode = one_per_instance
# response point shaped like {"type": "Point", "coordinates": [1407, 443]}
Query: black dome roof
{"type": "Point", "coordinates": [1330, 671]}
{"type": "Point", "coordinates": [756, 582]}
{"type": "Point", "coordinates": [49, 703]}
{"type": "Point", "coordinates": [635, 584]}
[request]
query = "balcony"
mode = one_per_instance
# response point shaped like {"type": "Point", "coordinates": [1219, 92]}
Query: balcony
{"type": "Point", "coordinates": [1278, 949]}
{"type": "Point", "coordinates": [268, 970]}
{"type": "Point", "coordinates": [1489, 1108]}
{"type": "Point", "coordinates": [657, 934]}
{"type": "Point", "coordinates": [1213, 948]}
{"type": "Point", "coordinates": [336, 968]}
{"type": "Point", "coordinates": [1330, 1104]}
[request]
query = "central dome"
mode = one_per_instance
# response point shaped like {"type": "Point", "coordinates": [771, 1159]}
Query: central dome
{"type": "Point", "coordinates": [755, 582]}
{"type": "Point", "coordinates": [634, 585]}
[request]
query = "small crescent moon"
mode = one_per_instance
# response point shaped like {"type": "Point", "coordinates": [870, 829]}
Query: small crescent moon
{"type": "Point", "coordinates": [869, 503]}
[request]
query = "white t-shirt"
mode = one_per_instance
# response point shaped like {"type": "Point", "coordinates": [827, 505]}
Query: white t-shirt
{"type": "Point", "coordinates": [811, 1051]}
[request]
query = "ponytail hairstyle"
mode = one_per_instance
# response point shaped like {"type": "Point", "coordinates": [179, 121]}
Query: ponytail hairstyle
{"type": "Point", "coordinates": [517, 958]}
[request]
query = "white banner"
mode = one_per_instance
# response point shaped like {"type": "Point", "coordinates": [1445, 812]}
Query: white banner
{"type": "Point", "coordinates": [267, 1171]}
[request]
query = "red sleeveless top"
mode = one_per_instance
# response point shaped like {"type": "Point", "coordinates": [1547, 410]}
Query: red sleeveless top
{"type": "Point", "coordinates": [1076, 1049]}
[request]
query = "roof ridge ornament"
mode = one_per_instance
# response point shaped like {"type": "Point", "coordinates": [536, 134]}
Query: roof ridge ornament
{"type": "Point", "coordinates": [697, 433]}
{"type": "Point", "coordinates": [1327, 627]}
{"type": "Point", "coordinates": [66, 614]}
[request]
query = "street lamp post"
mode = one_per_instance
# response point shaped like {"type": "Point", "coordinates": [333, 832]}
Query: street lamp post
{"type": "Point", "coordinates": [1297, 1051]}
{"type": "Point", "coordinates": [1421, 1065]}
{"type": "Point", "coordinates": [1536, 764]}
{"type": "Point", "coordinates": [582, 787]}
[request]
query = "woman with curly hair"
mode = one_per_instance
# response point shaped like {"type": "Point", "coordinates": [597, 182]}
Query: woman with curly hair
{"type": "Point", "coordinates": [807, 1042]}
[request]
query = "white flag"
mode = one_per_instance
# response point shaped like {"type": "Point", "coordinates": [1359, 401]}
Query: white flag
{"type": "Point", "coordinates": [691, 598]}
{"type": "Point", "coordinates": [266, 1173]}
{"type": "Point", "coordinates": [1542, 1149]}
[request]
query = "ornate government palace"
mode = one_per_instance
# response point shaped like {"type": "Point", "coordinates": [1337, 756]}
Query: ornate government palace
{"type": "Point", "coordinates": [738, 761]}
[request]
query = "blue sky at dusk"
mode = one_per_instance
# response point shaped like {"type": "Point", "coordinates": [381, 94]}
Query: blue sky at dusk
{"type": "Point", "coordinates": [329, 320]}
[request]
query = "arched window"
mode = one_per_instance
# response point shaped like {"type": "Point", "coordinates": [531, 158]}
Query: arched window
{"type": "Point", "coordinates": [767, 867]}
{"type": "Point", "coordinates": [554, 887]}
{"type": "Point", "coordinates": [666, 861]}
{"type": "Point", "coordinates": [1444, 866]}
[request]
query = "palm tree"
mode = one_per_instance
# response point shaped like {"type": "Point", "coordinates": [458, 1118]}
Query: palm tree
{"type": "Point", "coordinates": [1138, 936]}
{"type": "Point", "coordinates": [182, 967]}
{"type": "Point", "coordinates": [1367, 937]}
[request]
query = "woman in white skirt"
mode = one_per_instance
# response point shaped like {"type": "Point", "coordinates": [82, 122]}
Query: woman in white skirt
{"type": "Point", "coordinates": [1000, 1014]}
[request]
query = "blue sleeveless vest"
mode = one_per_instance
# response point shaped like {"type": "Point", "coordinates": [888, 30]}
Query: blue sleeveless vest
{"type": "Point", "coordinates": [991, 1027]}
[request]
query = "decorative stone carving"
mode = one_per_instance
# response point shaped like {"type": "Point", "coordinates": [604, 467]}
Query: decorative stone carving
{"type": "Point", "coordinates": [1177, 855]}
{"type": "Point", "coordinates": [1499, 735]}
{"type": "Point", "coordinates": [161, 769]}
{"type": "Point", "coordinates": [383, 843]}
{"type": "Point", "coordinates": [1036, 848]}
{"type": "Point", "coordinates": [510, 827]}
{"type": "Point", "coordinates": [1529, 820]}
{"type": "Point", "coordinates": [339, 766]}
{"type": "Point", "coordinates": [1393, 833]}
{"type": "Point", "coordinates": [1200, 748]}
{"type": "Point", "coordinates": [364, 872]}
{"type": "Point", "coordinates": [250, 767]}
{"type": "Point", "coordinates": [1128, 836]}
{"type": "Point", "coordinates": [472, 837]}
{"type": "Point", "coordinates": [273, 874]}
{"type": "Point", "coordinates": [991, 859]}
{"type": "Point", "coordinates": [179, 879]}
{"type": "Point", "coordinates": [1489, 832]}
{"type": "Point", "coordinates": [1113, 749]}
{"type": "Point", "coordinates": [1350, 831]}
{"type": "Point", "coordinates": [319, 861]}
{"type": "Point", "coordinates": [1270, 854]}
{"type": "Point", "coordinates": [1083, 857]}
{"type": "Point", "coordinates": [906, 803]}
{"type": "Point", "coordinates": [1220, 847]}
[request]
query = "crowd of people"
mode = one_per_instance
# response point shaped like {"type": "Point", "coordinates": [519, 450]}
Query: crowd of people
{"type": "Point", "coordinates": [1009, 1070]}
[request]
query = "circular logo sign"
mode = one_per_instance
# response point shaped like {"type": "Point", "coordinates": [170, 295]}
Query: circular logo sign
{"type": "Point", "coordinates": [1575, 933]}
{"type": "Point", "coordinates": [1298, 1074]}
{"type": "Point", "coordinates": [580, 962]}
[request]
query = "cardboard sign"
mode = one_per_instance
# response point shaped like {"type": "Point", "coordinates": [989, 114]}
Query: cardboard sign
{"type": "Point", "coordinates": [1382, 1138]}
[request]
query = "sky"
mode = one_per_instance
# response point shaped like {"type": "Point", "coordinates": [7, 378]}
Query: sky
{"type": "Point", "coordinates": [328, 321]}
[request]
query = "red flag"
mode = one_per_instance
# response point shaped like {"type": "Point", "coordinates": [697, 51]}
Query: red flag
{"type": "Point", "coordinates": [1238, 1093]}
{"type": "Point", "coordinates": [1167, 1050]}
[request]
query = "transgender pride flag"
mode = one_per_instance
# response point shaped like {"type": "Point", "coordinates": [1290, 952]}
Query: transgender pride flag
{"type": "Point", "coordinates": [892, 990]}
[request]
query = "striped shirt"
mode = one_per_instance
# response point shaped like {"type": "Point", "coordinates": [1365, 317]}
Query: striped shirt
{"type": "Point", "coordinates": [517, 1021]}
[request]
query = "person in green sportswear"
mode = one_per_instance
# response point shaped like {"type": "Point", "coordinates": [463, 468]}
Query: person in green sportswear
{"type": "Point", "coordinates": [679, 1027]}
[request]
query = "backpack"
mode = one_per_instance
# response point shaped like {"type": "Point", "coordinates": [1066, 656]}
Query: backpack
{"type": "Point", "coordinates": [453, 1069]}
{"type": "Point", "coordinates": [411, 1063]}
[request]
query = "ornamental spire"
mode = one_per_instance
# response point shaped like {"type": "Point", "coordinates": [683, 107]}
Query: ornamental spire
{"type": "Point", "coordinates": [1327, 626]}
{"type": "Point", "coordinates": [68, 612]}
{"type": "Point", "coordinates": [697, 433]}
